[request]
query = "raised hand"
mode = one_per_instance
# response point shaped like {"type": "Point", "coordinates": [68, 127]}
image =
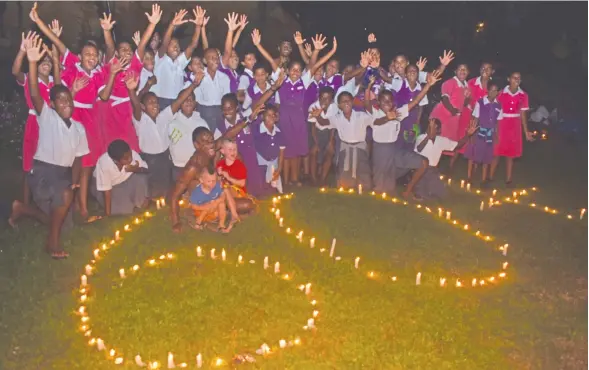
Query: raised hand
{"type": "Point", "coordinates": [106, 22]}
{"type": "Point", "coordinates": [308, 49]}
{"type": "Point", "coordinates": [205, 21]}
{"type": "Point", "coordinates": [319, 42]}
{"type": "Point", "coordinates": [316, 112]}
{"type": "Point", "coordinates": [433, 77]}
{"type": "Point", "coordinates": [152, 80]}
{"type": "Point", "coordinates": [117, 65]}
{"type": "Point", "coordinates": [55, 27]}
{"type": "Point", "coordinates": [198, 76]}
{"type": "Point", "coordinates": [256, 112]}
{"type": "Point", "coordinates": [447, 57]}
{"type": "Point", "coordinates": [178, 19]}
{"type": "Point", "coordinates": [26, 40]}
{"type": "Point", "coordinates": [279, 80]}
{"type": "Point", "coordinates": [132, 82]}
{"type": "Point", "coordinates": [392, 115]}
{"type": "Point", "coordinates": [365, 59]}
{"type": "Point", "coordinates": [256, 37]}
{"type": "Point", "coordinates": [199, 16]}
{"type": "Point", "coordinates": [371, 38]}
{"type": "Point", "coordinates": [79, 83]}
{"type": "Point", "coordinates": [156, 14]}
{"type": "Point", "coordinates": [242, 21]}
{"type": "Point", "coordinates": [298, 38]}
{"type": "Point", "coordinates": [421, 63]}
{"type": "Point", "coordinates": [231, 21]}
{"type": "Point", "coordinates": [34, 49]}
{"type": "Point", "coordinates": [472, 127]}
{"type": "Point", "coordinates": [334, 47]}
{"type": "Point", "coordinates": [33, 13]}
{"type": "Point", "coordinates": [137, 38]}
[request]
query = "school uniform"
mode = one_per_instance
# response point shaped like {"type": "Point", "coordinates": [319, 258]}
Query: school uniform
{"type": "Point", "coordinates": [170, 77]}
{"type": "Point", "coordinates": [335, 82]}
{"type": "Point", "coordinates": [430, 185]}
{"type": "Point", "coordinates": [253, 94]}
{"type": "Point", "coordinates": [454, 90]}
{"type": "Point", "coordinates": [209, 94]}
{"type": "Point", "coordinates": [480, 149]}
{"type": "Point", "coordinates": [88, 108]}
{"type": "Point", "coordinates": [268, 145]}
{"type": "Point", "coordinates": [180, 135]}
{"type": "Point", "coordinates": [247, 152]}
{"type": "Point", "coordinates": [31, 132]}
{"type": "Point", "coordinates": [312, 93]}
{"type": "Point", "coordinates": [389, 160]}
{"type": "Point", "coordinates": [353, 166]}
{"type": "Point", "coordinates": [232, 74]}
{"type": "Point", "coordinates": [57, 148]}
{"type": "Point", "coordinates": [410, 126]}
{"type": "Point", "coordinates": [397, 81]}
{"type": "Point", "coordinates": [477, 92]}
{"type": "Point", "coordinates": [128, 190]}
{"type": "Point", "coordinates": [246, 79]}
{"type": "Point", "coordinates": [510, 143]}
{"type": "Point", "coordinates": [293, 117]}
{"type": "Point", "coordinates": [143, 77]}
{"type": "Point", "coordinates": [154, 143]}
{"type": "Point", "coordinates": [323, 132]}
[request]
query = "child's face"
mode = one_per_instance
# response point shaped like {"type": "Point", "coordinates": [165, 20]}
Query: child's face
{"type": "Point", "coordinates": [270, 118]}
{"type": "Point", "coordinates": [126, 159]}
{"type": "Point", "coordinates": [345, 103]}
{"type": "Point", "coordinates": [285, 49]}
{"type": "Point", "coordinates": [325, 100]}
{"type": "Point", "coordinates": [386, 102]}
{"type": "Point", "coordinates": [492, 92]}
{"type": "Point", "coordinates": [400, 64]}
{"type": "Point", "coordinates": [208, 180]}
{"type": "Point", "coordinates": [173, 49]}
{"type": "Point", "coordinates": [195, 65]}
{"type": "Point", "coordinates": [375, 54]}
{"type": "Point", "coordinates": [433, 129]}
{"type": "Point", "coordinates": [148, 61]}
{"type": "Point", "coordinates": [155, 41]}
{"type": "Point", "coordinates": [44, 67]}
{"type": "Point", "coordinates": [486, 70]}
{"type": "Point", "coordinates": [125, 51]}
{"type": "Point", "coordinates": [63, 105]}
{"type": "Point", "coordinates": [412, 74]}
{"type": "Point", "coordinates": [294, 73]}
{"type": "Point", "coordinates": [234, 60]}
{"type": "Point", "coordinates": [151, 106]}
{"type": "Point", "coordinates": [188, 106]}
{"type": "Point", "coordinates": [229, 110]}
{"type": "Point", "coordinates": [462, 72]}
{"type": "Point", "coordinates": [332, 68]}
{"type": "Point", "coordinates": [229, 150]}
{"type": "Point", "coordinates": [318, 76]}
{"type": "Point", "coordinates": [212, 60]}
{"type": "Point", "coordinates": [205, 144]}
{"type": "Point", "coordinates": [514, 80]}
{"type": "Point", "coordinates": [348, 69]}
{"type": "Point", "coordinates": [249, 61]}
{"type": "Point", "coordinates": [89, 58]}
{"type": "Point", "coordinates": [261, 76]}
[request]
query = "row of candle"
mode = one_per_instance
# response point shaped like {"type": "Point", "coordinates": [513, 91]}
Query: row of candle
{"type": "Point", "coordinates": [442, 214]}
{"type": "Point", "coordinates": [217, 362]}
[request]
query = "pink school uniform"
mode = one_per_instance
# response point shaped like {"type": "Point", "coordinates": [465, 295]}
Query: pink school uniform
{"type": "Point", "coordinates": [85, 110]}
{"type": "Point", "coordinates": [31, 134]}
{"type": "Point", "coordinates": [509, 143]}
{"type": "Point", "coordinates": [477, 92]}
{"type": "Point", "coordinates": [454, 89]}
{"type": "Point", "coordinates": [117, 120]}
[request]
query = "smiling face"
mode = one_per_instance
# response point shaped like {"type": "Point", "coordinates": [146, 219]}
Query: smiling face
{"type": "Point", "coordinates": [285, 49]}
{"type": "Point", "coordinates": [461, 72]}
{"type": "Point", "coordinates": [205, 143]}
{"type": "Point", "coordinates": [155, 41]}
{"type": "Point", "coordinates": [148, 60]}
{"type": "Point", "coordinates": [515, 79]}
{"type": "Point", "coordinates": [125, 50]}
{"type": "Point", "coordinates": [325, 100]}
{"type": "Point", "coordinates": [412, 74]}
{"type": "Point", "coordinates": [125, 159]}
{"type": "Point", "coordinates": [332, 68]}
{"type": "Point", "coordinates": [400, 64]}
{"type": "Point", "coordinates": [492, 92]}
{"type": "Point", "coordinates": [261, 76]}
{"type": "Point", "coordinates": [151, 105]}
{"type": "Point", "coordinates": [249, 61]}
{"type": "Point", "coordinates": [63, 104]}
{"type": "Point", "coordinates": [345, 101]}
{"type": "Point", "coordinates": [318, 76]}
{"type": "Point", "coordinates": [229, 110]}
{"type": "Point", "coordinates": [295, 71]}
{"type": "Point", "coordinates": [234, 60]}
{"type": "Point", "coordinates": [270, 117]}
{"type": "Point", "coordinates": [45, 66]}
{"type": "Point", "coordinates": [89, 58]}
{"type": "Point", "coordinates": [173, 49]}
{"type": "Point", "coordinates": [195, 64]}
{"type": "Point", "coordinates": [229, 150]}
{"type": "Point", "coordinates": [188, 106]}
{"type": "Point", "coordinates": [208, 180]}
{"type": "Point", "coordinates": [386, 102]}
{"type": "Point", "coordinates": [486, 70]}
{"type": "Point", "coordinates": [212, 59]}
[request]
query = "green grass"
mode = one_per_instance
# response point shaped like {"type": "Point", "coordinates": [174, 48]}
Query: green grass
{"type": "Point", "coordinates": [535, 319]}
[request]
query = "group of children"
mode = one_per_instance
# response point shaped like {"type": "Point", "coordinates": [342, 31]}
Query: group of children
{"type": "Point", "coordinates": [130, 126]}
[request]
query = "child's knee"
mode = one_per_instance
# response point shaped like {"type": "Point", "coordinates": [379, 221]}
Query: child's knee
{"type": "Point", "coordinates": [67, 195]}
{"type": "Point", "coordinates": [425, 163]}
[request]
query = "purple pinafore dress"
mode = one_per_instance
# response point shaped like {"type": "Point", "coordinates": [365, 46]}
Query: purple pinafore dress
{"type": "Point", "coordinates": [480, 150]}
{"type": "Point", "coordinates": [293, 118]}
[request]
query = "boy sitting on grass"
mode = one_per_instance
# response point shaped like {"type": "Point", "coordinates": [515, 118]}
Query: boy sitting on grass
{"type": "Point", "coordinates": [210, 201]}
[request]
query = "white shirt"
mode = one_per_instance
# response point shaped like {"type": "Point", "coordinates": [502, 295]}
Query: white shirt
{"type": "Point", "coordinates": [153, 136]}
{"type": "Point", "coordinates": [350, 87]}
{"type": "Point", "coordinates": [388, 132]}
{"type": "Point", "coordinates": [244, 81]}
{"type": "Point", "coordinates": [332, 110]}
{"type": "Point", "coordinates": [180, 134]}
{"type": "Point", "coordinates": [423, 101]}
{"type": "Point", "coordinates": [477, 107]}
{"type": "Point", "coordinates": [170, 75]}
{"type": "Point", "coordinates": [305, 77]}
{"type": "Point", "coordinates": [540, 114]}
{"type": "Point", "coordinates": [397, 81]}
{"type": "Point", "coordinates": [264, 130]}
{"type": "Point", "coordinates": [210, 91]}
{"type": "Point", "coordinates": [433, 150]}
{"type": "Point", "coordinates": [247, 102]}
{"type": "Point", "coordinates": [143, 77]}
{"type": "Point", "coordinates": [107, 172]}
{"type": "Point", "coordinates": [217, 134]}
{"type": "Point", "coordinates": [354, 130]}
{"type": "Point", "coordinates": [59, 144]}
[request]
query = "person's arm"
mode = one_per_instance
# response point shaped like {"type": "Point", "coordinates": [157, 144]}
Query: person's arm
{"type": "Point", "coordinates": [364, 62]}
{"type": "Point", "coordinates": [176, 21]}
{"type": "Point", "coordinates": [76, 171]}
{"type": "Point", "coordinates": [232, 25]}
{"type": "Point", "coordinates": [432, 78]}
{"type": "Point", "coordinates": [280, 164]}
{"type": "Point", "coordinates": [367, 101]}
{"type": "Point", "coordinates": [271, 91]}
{"type": "Point", "coordinates": [20, 56]}
{"type": "Point", "coordinates": [313, 68]}
{"type": "Point", "coordinates": [298, 38]}
{"type": "Point", "coordinates": [114, 68]}
{"type": "Point", "coordinates": [107, 202]}
{"type": "Point", "coordinates": [148, 85]}
{"type": "Point", "coordinates": [233, 181]}
{"type": "Point", "coordinates": [35, 54]}
{"type": "Point", "coordinates": [189, 90]}
{"type": "Point", "coordinates": [46, 30]}
{"type": "Point", "coordinates": [186, 176]}
{"type": "Point", "coordinates": [132, 83]}
{"type": "Point", "coordinates": [423, 143]}
{"type": "Point", "coordinates": [203, 34]}
{"type": "Point", "coordinates": [199, 15]}
{"type": "Point", "coordinates": [242, 23]}
{"type": "Point", "coordinates": [257, 41]}
{"type": "Point", "coordinates": [316, 113]}
{"type": "Point", "coordinates": [107, 24]}
{"type": "Point", "coordinates": [153, 18]}
{"type": "Point", "coordinates": [445, 59]}
{"type": "Point", "coordinates": [472, 128]}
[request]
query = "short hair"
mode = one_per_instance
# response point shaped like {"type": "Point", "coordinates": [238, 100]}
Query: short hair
{"type": "Point", "coordinates": [249, 51]}
{"type": "Point", "coordinates": [326, 90]}
{"type": "Point", "coordinates": [492, 83]}
{"type": "Point", "coordinates": [149, 51]}
{"type": "Point", "coordinates": [230, 97]}
{"type": "Point", "coordinates": [292, 63]}
{"type": "Point", "coordinates": [271, 107]}
{"type": "Point", "coordinates": [226, 141]}
{"type": "Point", "coordinates": [199, 131]}
{"type": "Point", "coordinates": [56, 90]}
{"type": "Point", "coordinates": [259, 65]}
{"type": "Point", "coordinates": [125, 41]}
{"type": "Point", "coordinates": [147, 95]}
{"type": "Point", "coordinates": [344, 93]}
{"type": "Point", "coordinates": [411, 66]}
{"type": "Point", "coordinates": [117, 149]}
{"type": "Point", "coordinates": [386, 92]}
{"type": "Point", "coordinates": [208, 51]}
{"type": "Point", "coordinates": [90, 44]}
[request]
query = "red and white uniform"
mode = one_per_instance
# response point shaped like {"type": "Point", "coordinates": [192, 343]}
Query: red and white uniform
{"type": "Point", "coordinates": [454, 89]}
{"type": "Point", "coordinates": [31, 136]}
{"type": "Point", "coordinates": [510, 142]}
{"type": "Point", "coordinates": [117, 114]}
{"type": "Point", "coordinates": [85, 111]}
{"type": "Point", "coordinates": [477, 92]}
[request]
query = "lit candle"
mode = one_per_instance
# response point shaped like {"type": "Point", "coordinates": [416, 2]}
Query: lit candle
{"type": "Point", "coordinates": [84, 280]}
{"type": "Point", "coordinates": [356, 262]}
{"type": "Point", "coordinates": [154, 365]}
{"type": "Point", "coordinates": [312, 242]}
{"type": "Point", "coordinates": [288, 230]}
{"type": "Point", "coordinates": [158, 204]}
{"type": "Point", "coordinates": [136, 267]}
{"type": "Point", "coordinates": [583, 213]}
{"type": "Point", "coordinates": [458, 283]}
{"type": "Point", "coordinates": [308, 288]}
{"type": "Point", "coordinates": [136, 221]}
{"type": "Point", "coordinates": [163, 202]}
{"type": "Point", "coordinates": [127, 228]}
{"type": "Point", "coordinates": [360, 189]}
{"type": "Point", "coordinates": [482, 205]}
{"type": "Point", "coordinates": [277, 213]}
{"type": "Point", "coordinates": [282, 343]}
{"type": "Point", "coordinates": [240, 259]}
{"type": "Point", "coordinates": [449, 181]}
{"type": "Point", "coordinates": [311, 323]}
{"type": "Point", "coordinates": [440, 212]}
{"type": "Point", "coordinates": [442, 281]}
{"type": "Point", "coordinates": [461, 184]}
{"type": "Point", "coordinates": [100, 344]}
{"type": "Point", "coordinates": [300, 236]}
{"type": "Point", "coordinates": [223, 254]}
{"type": "Point", "coordinates": [277, 268]}
{"type": "Point", "coordinates": [213, 253]}
{"type": "Point", "coordinates": [494, 192]}
{"type": "Point", "coordinates": [118, 360]}
{"type": "Point", "coordinates": [315, 313]}
{"type": "Point", "coordinates": [122, 273]}
{"type": "Point", "coordinates": [281, 222]}
{"type": "Point", "coordinates": [468, 187]}
{"type": "Point", "coordinates": [448, 214]}
{"type": "Point", "coordinates": [505, 249]}
{"type": "Point", "coordinates": [96, 251]}
{"type": "Point", "coordinates": [171, 364]}
{"type": "Point", "coordinates": [418, 279]}
{"type": "Point", "coordinates": [332, 250]}
{"type": "Point", "coordinates": [474, 282]}
{"type": "Point", "coordinates": [394, 278]}
{"type": "Point", "coordinates": [88, 270]}
{"type": "Point", "coordinates": [117, 235]}
{"type": "Point", "coordinates": [199, 360]}
{"type": "Point", "coordinates": [139, 362]}
{"type": "Point", "coordinates": [505, 264]}
{"type": "Point", "coordinates": [266, 263]}
{"type": "Point", "coordinates": [198, 251]}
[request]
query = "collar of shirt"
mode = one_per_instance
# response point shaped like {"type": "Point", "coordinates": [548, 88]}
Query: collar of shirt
{"type": "Point", "coordinates": [478, 82]}
{"type": "Point", "coordinates": [92, 72]}
{"type": "Point", "coordinates": [294, 82]}
{"type": "Point", "coordinates": [257, 89]}
{"type": "Point", "coordinates": [417, 86]}
{"type": "Point", "coordinates": [460, 83]}
{"type": "Point", "coordinates": [264, 130]}
{"type": "Point", "coordinates": [146, 72]}
{"type": "Point", "coordinates": [249, 72]}
{"type": "Point", "coordinates": [507, 91]}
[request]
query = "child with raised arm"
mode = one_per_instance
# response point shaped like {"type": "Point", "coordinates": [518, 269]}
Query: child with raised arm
{"type": "Point", "coordinates": [46, 82]}
{"type": "Point", "coordinates": [170, 61]}
{"type": "Point", "coordinates": [152, 127]}
{"type": "Point", "coordinates": [409, 128]}
{"type": "Point", "coordinates": [120, 180]}
{"type": "Point", "coordinates": [513, 121]}
{"type": "Point", "coordinates": [480, 149]}
{"type": "Point", "coordinates": [55, 173]}
{"type": "Point", "coordinates": [270, 145]}
{"type": "Point", "coordinates": [293, 118]}
{"type": "Point", "coordinates": [230, 59]}
{"type": "Point", "coordinates": [431, 145]}
{"type": "Point", "coordinates": [214, 86]}
{"type": "Point", "coordinates": [391, 161]}
{"type": "Point", "coordinates": [210, 201]}
{"type": "Point", "coordinates": [255, 90]}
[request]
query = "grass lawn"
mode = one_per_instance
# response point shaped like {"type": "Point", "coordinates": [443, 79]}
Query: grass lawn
{"type": "Point", "coordinates": [534, 319]}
